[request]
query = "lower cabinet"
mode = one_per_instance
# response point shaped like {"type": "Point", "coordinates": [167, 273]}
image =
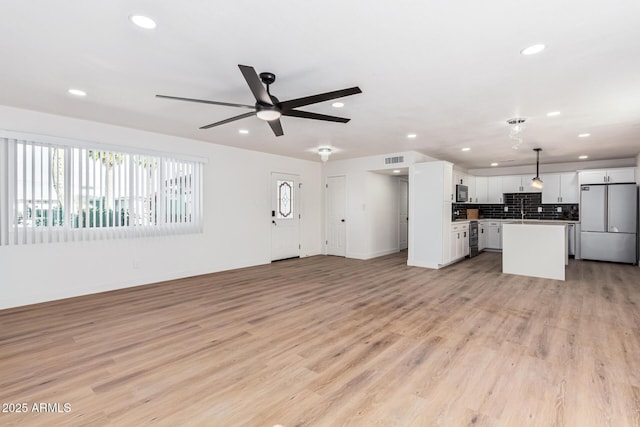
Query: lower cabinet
{"type": "Point", "coordinates": [482, 236]}
{"type": "Point", "coordinates": [459, 241]}
{"type": "Point", "coordinates": [494, 235]}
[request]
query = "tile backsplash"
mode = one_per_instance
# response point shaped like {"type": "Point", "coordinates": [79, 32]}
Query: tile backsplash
{"type": "Point", "coordinates": [516, 203]}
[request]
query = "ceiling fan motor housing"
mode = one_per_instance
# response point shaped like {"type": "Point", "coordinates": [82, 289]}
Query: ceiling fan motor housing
{"type": "Point", "coordinates": [267, 78]}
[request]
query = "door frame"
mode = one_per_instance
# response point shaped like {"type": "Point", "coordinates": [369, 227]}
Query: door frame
{"type": "Point", "coordinates": [326, 213]}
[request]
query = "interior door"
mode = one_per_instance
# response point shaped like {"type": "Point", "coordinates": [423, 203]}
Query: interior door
{"type": "Point", "coordinates": [285, 216]}
{"type": "Point", "coordinates": [336, 216]}
{"type": "Point", "coordinates": [404, 213]}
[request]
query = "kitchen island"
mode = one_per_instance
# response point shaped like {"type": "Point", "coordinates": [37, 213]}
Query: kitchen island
{"type": "Point", "coordinates": [535, 248]}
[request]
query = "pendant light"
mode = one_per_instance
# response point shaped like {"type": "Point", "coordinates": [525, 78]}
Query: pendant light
{"type": "Point", "coordinates": [537, 182]}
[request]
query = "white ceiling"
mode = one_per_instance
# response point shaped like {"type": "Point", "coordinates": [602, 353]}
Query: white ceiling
{"type": "Point", "coordinates": [449, 71]}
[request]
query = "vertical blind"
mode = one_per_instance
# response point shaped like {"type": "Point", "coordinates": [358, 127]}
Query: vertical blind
{"type": "Point", "coordinates": [71, 191]}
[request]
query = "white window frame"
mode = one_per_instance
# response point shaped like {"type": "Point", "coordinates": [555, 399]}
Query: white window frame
{"type": "Point", "coordinates": [147, 212]}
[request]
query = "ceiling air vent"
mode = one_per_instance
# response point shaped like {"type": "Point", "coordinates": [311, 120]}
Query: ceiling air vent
{"type": "Point", "coordinates": [393, 160]}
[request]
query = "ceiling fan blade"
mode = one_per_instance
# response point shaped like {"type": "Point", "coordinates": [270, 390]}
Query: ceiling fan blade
{"type": "Point", "coordinates": [232, 119]}
{"type": "Point", "coordinates": [276, 127]}
{"type": "Point", "coordinates": [204, 101]}
{"type": "Point", "coordinates": [315, 116]}
{"type": "Point", "coordinates": [255, 84]}
{"type": "Point", "coordinates": [313, 99]}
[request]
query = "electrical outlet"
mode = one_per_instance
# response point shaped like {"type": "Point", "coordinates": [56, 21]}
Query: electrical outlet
{"type": "Point", "coordinates": [506, 208]}
{"type": "Point", "coordinates": [539, 209]}
{"type": "Point", "coordinates": [559, 209]}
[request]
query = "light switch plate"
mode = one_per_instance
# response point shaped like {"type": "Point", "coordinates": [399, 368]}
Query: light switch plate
{"type": "Point", "coordinates": [559, 209]}
{"type": "Point", "coordinates": [506, 208]}
{"type": "Point", "coordinates": [539, 208]}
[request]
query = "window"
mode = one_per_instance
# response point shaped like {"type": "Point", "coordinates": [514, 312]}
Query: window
{"type": "Point", "coordinates": [56, 190]}
{"type": "Point", "coordinates": [285, 199]}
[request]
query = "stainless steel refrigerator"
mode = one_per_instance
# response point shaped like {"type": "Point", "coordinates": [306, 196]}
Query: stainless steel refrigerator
{"type": "Point", "coordinates": [609, 220]}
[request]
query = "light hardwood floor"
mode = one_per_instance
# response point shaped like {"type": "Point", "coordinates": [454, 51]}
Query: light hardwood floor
{"type": "Point", "coordinates": [328, 341]}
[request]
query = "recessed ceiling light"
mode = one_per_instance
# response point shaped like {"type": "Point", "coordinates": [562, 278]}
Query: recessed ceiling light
{"type": "Point", "coordinates": [494, 164]}
{"type": "Point", "coordinates": [553, 114]}
{"type": "Point", "coordinates": [143, 21]}
{"type": "Point", "coordinates": [243, 131]}
{"type": "Point", "coordinates": [532, 50]}
{"type": "Point", "coordinates": [396, 171]}
{"type": "Point", "coordinates": [466, 149]}
{"type": "Point", "coordinates": [337, 104]}
{"type": "Point", "coordinates": [584, 135]}
{"type": "Point", "coordinates": [583, 157]}
{"type": "Point", "coordinates": [411, 135]}
{"type": "Point", "coordinates": [77, 92]}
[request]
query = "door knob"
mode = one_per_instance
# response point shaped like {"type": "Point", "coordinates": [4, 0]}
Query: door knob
{"type": "Point", "coordinates": [342, 220]}
{"type": "Point", "coordinates": [273, 222]}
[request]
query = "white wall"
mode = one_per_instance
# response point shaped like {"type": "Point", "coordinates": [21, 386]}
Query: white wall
{"type": "Point", "coordinates": [237, 225]}
{"type": "Point", "coordinates": [372, 203]}
{"type": "Point", "coordinates": [384, 204]}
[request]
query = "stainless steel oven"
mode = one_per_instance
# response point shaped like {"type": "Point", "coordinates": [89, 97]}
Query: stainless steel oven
{"type": "Point", "coordinates": [473, 238]}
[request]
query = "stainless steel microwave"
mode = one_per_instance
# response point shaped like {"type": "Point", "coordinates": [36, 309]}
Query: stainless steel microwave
{"type": "Point", "coordinates": [462, 193]}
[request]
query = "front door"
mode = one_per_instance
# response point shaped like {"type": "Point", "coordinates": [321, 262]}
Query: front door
{"type": "Point", "coordinates": [285, 218]}
{"type": "Point", "coordinates": [336, 216]}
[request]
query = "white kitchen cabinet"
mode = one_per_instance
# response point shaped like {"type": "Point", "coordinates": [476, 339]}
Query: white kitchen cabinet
{"type": "Point", "coordinates": [448, 187]}
{"type": "Point", "coordinates": [560, 188]}
{"type": "Point", "coordinates": [471, 183]}
{"type": "Point", "coordinates": [481, 189]}
{"type": "Point", "coordinates": [621, 175]}
{"type": "Point", "coordinates": [569, 188]}
{"type": "Point", "coordinates": [430, 212]}
{"type": "Point", "coordinates": [459, 241]}
{"type": "Point", "coordinates": [607, 176]}
{"type": "Point", "coordinates": [455, 245]}
{"type": "Point", "coordinates": [465, 242]}
{"type": "Point", "coordinates": [482, 236]}
{"type": "Point", "coordinates": [494, 235]}
{"type": "Point", "coordinates": [494, 190]}
{"type": "Point", "coordinates": [518, 184]}
{"type": "Point", "coordinates": [512, 184]}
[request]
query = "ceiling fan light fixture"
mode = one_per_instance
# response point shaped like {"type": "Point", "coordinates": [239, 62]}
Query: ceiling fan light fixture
{"type": "Point", "coordinates": [268, 114]}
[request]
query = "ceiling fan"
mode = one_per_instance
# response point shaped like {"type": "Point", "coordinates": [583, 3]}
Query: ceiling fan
{"type": "Point", "coordinates": [268, 107]}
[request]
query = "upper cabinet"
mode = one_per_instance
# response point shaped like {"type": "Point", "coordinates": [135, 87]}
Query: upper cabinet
{"type": "Point", "coordinates": [608, 176]}
{"type": "Point", "coordinates": [471, 183]}
{"type": "Point", "coordinates": [481, 190]}
{"type": "Point", "coordinates": [560, 188]}
{"type": "Point", "coordinates": [512, 184]}
{"type": "Point", "coordinates": [460, 178]}
{"type": "Point", "coordinates": [448, 188]}
{"type": "Point", "coordinates": [518, 184]}
{"type": "Point", "coordinates": [494, 190]}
